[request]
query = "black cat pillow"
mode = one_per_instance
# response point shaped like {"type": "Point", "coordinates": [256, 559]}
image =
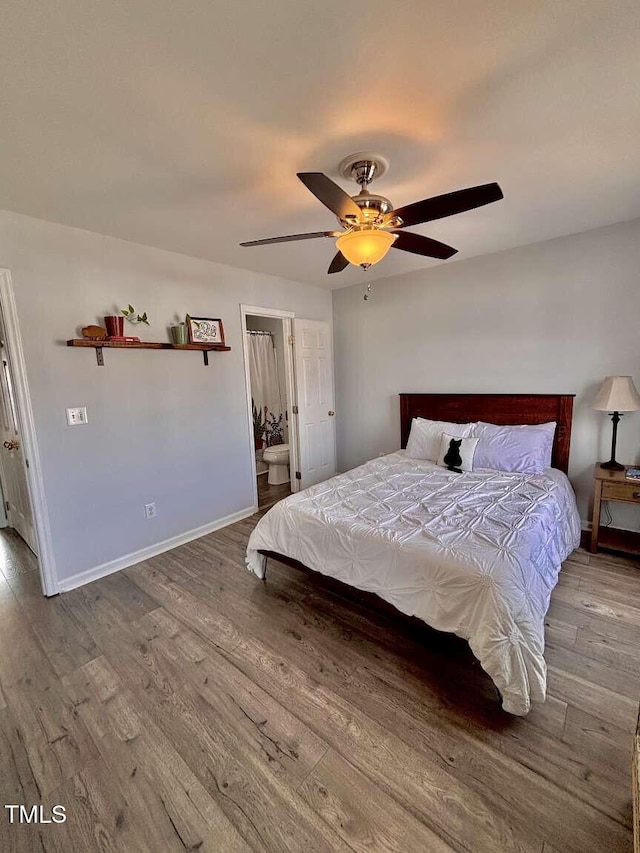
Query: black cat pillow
{"type": "Point", "coordinates": [457, 454]}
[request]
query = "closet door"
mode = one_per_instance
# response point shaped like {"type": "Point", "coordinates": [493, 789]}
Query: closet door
{"type": "Point", "coordinates": [313, 357]}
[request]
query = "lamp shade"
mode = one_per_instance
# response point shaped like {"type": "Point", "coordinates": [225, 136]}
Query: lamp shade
{"type": "Point", "coordinates": [617, 394]}
{"type": "Point", "coordinates": [365, 247]}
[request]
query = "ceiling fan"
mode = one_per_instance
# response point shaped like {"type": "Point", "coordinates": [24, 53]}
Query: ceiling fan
{"type": "Point", "coordinates": [371, 225]}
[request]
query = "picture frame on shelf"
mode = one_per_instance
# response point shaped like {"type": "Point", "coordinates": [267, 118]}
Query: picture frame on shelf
{"type": "Point", "coordinates": [206, 330]}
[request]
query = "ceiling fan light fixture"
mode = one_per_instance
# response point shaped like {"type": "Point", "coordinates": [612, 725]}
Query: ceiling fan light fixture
{"type": "Point", "coordinates": [365, 247]}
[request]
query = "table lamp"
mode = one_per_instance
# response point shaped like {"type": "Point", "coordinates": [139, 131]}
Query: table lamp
{"type": "Point", "coordinates": [616, 394]}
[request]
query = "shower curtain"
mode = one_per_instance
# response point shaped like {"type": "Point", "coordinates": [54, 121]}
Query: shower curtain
{"type": "Point", "coordinates": [265, 388]}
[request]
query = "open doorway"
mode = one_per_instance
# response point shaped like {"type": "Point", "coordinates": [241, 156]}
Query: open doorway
{"type": "Point", "coordinates": [25, 539]}
{"type": "Point", "coordinates": [18, 547]}
{"type": "Point", "coordinates": [270, 395]}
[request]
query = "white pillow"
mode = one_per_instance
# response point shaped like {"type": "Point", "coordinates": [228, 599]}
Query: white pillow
{"type": "Point", "coordinates": [457, 454]}
{"type": "Point", "coordinates": [508, 435]}
{"type": "Point", "coordinates": [425, 435]}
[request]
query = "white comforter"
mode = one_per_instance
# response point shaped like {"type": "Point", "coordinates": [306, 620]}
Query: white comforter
{"type": "Point", "coordinates": [476, 553]}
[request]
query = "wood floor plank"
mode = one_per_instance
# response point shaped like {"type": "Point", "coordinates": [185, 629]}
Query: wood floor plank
{"type": "Point", "coordinates": [163, 797]}
{"type": "Point", "coordinates": [549, 716]}
{"type": "Point", "coordinates": [614, 652]}
{"type": "Point", "coordinates": [466, 819]}
{"type": "Point", "coordinates": [600, 622]}
{"type": "Point", "coordinates": [5, 588]}
{"type": "Point", "coordinates": [284, 740]}
{"type": "Point", "coordinates": [308, 638]}
{"type": "Point", "coordinates": [365, 817]}
{"type": "Point", "coordinates": [567, 579]}
{"type": "Point", "coordinates": [184, 605]}
{"type": "Point", "coordinates": [18, 781]}
{"type": "Point", "coordinates": [627, 635]}
{"type": "Point", "coordinates": [16, 558]}
{"type": "Point", "coordinates": [596, 739]}
{"type": "Point", "coordinates": [263, 808]}
{"type": "Point", "coordinates": [607, 675]}
{"type": "Point", "coordinates": [620, 577]}
{"type": "Point", "coordinates": [127, 652]}
{"type": "Point", "coordinates": [22, 661]}
{"type": "Point", "coordinates": [594, 699]}
{"type": "Point", "coordinates": [559, 632]}
{"type": "Point", "coordinates": [618, 561]}
{"type": "Point", "coordinates": [56, 741]}
{"type": "Point", "coordinates": [543, 765]}
{"type": "Point", "coordinates": [600, 605]}
{"type": "Point", "coordinates": [621, 591]}
{"type": "Point", "coordinates": [63, 639]}
{"type": "Point", "coordinates": [211, 741]}
{"type": "Point", "coordinates": [93, 805]}
{"type": "Point", "coordinates": [128, 600]}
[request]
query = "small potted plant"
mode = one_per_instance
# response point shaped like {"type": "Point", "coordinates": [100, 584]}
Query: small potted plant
{"type": "Point", "coordinates": [180, 332]}
{"type": "Point", "coordinates": [274, 429]}
{"type": "Point", "coordinates": [259, 426]}
{"type": "Point", "coordinates": [114, 323]}
{"type": "Point", "coordinates": [131, 315]}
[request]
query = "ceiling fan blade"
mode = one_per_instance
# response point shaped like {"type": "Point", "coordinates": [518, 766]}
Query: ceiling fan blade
{"type": "Point", "coordinates": [330, 194]}
{"type": "Point", "coordinates": [419, 245]}
{"type": "Point", "coordinates": [290, 237]}
{"type": "Point", "coordinates": [447, 205]}
{"type": "Point", "coordinates": [338, 264]}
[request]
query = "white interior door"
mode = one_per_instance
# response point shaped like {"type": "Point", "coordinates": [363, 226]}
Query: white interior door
{"type": "Point", "coordinates": [314, 383]}
{"type": "Point", "coordinates": [12, 463]}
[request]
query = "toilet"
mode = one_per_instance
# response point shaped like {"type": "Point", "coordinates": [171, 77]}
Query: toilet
{"type": "Point", "coordinates": [277, 458]}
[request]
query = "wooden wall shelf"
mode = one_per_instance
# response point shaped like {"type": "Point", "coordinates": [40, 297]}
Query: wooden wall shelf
{"type": "Point", "coordinates": [98, 346]}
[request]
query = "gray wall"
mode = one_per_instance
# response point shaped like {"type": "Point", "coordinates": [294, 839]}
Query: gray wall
{"type": "Point", "coordinates": [162, 427]}
{"type": "Point", "coordinates": [553, 317]}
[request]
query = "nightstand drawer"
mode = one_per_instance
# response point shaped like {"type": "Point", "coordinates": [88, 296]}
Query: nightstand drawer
{"type": "Point", "coordinates": [621, 492]}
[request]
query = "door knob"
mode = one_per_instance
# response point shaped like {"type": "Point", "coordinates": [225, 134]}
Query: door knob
{"type": "Point", "coordinates": [331, 413]}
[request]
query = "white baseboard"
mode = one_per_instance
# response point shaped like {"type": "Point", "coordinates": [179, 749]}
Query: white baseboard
{"type": "Point", "coordinates": [81, 578]}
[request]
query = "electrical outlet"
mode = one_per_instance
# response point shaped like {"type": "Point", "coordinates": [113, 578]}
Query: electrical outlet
{"type": "Point", "coordinates": [150, 510]}
{"type": "Point", "coordinates": [77, 416]}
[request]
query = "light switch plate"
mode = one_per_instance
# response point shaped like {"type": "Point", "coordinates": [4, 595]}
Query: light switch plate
{"type": "Point", "coordinates": [77, 416]}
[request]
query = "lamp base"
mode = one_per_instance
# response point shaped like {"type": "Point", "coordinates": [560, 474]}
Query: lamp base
{"type": "Point", "coordinates": [612, 465]}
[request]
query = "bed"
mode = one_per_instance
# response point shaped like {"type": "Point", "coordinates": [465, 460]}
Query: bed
{"type": "Point", "coordinates": [475, 553]}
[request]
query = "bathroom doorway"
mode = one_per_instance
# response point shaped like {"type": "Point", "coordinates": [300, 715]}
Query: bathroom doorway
{"type": "Point", "coordinates": [270, 395]}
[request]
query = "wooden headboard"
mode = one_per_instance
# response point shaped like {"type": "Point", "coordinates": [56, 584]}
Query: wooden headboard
{"type": "Point", "coordinates": [500, 409]}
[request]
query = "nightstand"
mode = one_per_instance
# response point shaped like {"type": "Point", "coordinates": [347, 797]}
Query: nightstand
{"type": "Point", "coordinates": [613, 486]}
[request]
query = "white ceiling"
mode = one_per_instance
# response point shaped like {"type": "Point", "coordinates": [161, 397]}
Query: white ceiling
{"type": "Point", "coordinates": [182, 124]}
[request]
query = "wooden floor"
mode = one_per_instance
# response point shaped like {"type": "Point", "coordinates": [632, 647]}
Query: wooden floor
{"type": "Point", "coordinates": [184, 705]}
{"type": "Point", "coordinates": [15, 557]}
{"type": "Point", "coordinates": [269, 495]}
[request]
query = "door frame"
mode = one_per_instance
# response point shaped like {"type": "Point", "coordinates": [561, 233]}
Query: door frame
{"type": "Point", "coordinates": [287, 318]}
{"type": "Point", "coordinates": [26, 424]}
